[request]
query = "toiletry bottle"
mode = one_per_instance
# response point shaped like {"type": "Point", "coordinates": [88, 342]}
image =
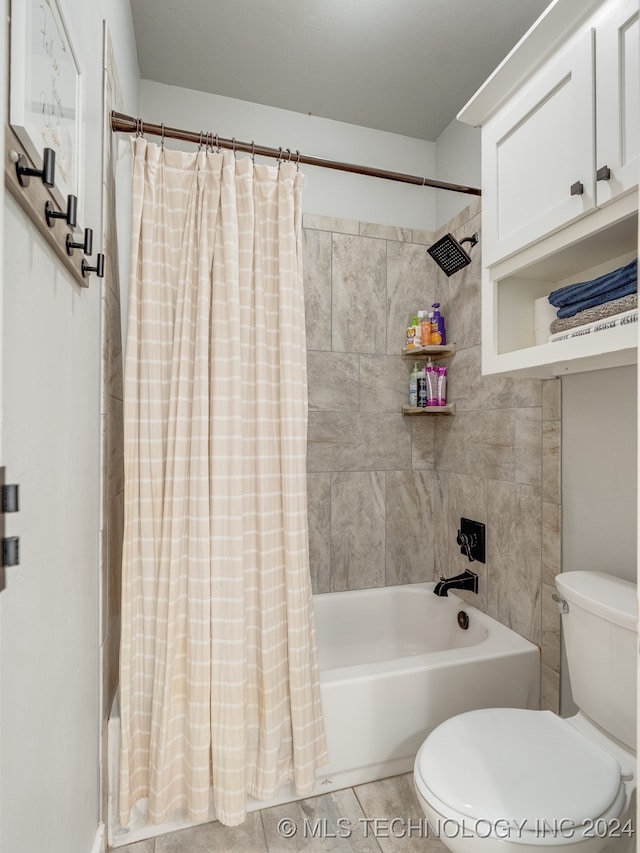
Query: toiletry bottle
{"type": "Point", "coordinates": [425, 329]}
{"type": "Point", "coordinates": [422, 389]}
{"type": "Point", "coordinates": [413, 386]}
{"type": "Point", "coordinates": [413, 333]}
{"type": "Point", "coordinates": [438, 335]}
{"type": "Point", "coordinates": [442, 385]}
{"type": "Point", "coordinates": [431, 384]}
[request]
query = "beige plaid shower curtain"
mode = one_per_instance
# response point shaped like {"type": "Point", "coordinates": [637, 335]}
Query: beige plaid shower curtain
{"type": "Point", "coordinates": [219, 683]}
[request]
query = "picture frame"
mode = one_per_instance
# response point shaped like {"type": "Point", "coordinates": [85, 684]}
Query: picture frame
{"type": "Point", "coordinates": [45, 104]}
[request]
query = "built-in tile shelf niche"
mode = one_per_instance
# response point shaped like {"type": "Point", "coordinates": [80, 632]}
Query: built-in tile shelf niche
{"type": "Point", "coordinates": [512, 287]}
{"type": "Point", "coordinates": [419, 353]}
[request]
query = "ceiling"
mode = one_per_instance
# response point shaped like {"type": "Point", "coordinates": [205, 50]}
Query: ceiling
{"type": "Point", "coordinates": [405, 66]}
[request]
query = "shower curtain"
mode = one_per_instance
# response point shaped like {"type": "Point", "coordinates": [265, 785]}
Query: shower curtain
{"type": "Point", "coordinates": [219, 684]}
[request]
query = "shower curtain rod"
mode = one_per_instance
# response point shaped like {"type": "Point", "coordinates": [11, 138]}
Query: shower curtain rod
{"type": "Point", "coordinates": [121, 123]}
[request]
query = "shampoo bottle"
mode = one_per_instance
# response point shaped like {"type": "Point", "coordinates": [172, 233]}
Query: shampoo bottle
{"type": "Point", "coordinates": [413, 386]}
{"type": "Point", "coordinates": [438, 335]}
{"type": "Point", "coordinates": [422, 389]}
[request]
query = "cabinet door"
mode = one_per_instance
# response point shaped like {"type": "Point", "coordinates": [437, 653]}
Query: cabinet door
{"type": "Point", "coordinates": [617, 99]}
{"type": "Point", "coordinates": [536, 148]}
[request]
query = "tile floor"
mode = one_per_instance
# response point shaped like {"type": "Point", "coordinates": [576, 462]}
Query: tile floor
{"type": "Point", "coordinates": [379, 817]}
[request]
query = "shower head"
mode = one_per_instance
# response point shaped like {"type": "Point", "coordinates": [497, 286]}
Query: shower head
{"type": "Point", "coordinates": [449, 254]}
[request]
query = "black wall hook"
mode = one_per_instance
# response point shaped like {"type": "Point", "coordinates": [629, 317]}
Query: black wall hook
{"type": "Point", "coordinates": [87, 246]}
{"type": "Point", "coordinates": [98, 269]}
{"type": "Point", "coordinates": [70, 217]}
{"type": "Point", "coordinates": [47, 173]}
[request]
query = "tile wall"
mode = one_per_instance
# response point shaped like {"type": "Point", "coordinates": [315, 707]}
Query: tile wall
{"type": "Point", "coordinates": [387, 491]}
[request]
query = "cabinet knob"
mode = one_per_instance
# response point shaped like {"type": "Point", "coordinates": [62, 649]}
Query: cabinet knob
{"type": "Point", "coordinates": [603, 174]}
{"type": "Point", "coordinates": [577, 188]}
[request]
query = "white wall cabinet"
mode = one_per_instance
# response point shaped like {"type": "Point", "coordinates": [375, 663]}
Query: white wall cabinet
{"type": "Point", "coordinates": [560, 162]}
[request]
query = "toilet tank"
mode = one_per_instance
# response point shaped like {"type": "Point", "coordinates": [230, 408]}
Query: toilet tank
{"type": "Point", "coordinates": [600, 632]}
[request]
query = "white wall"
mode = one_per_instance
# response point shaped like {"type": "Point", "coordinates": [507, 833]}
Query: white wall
{"type": "Point", "coordinates": [49, 612]}
{"type": "Point", "coordinates": [326, 192]}
{"type": "Point", "coordinates": [458, 162]}
{"type": "Point", "coordinates": [599, 464]}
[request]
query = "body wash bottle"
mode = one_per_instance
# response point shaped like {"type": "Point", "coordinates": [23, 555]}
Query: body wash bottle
{"type": "Point", "coordinates": [438, 334]}
{"type": "Point", "coordinates": [413, 386]}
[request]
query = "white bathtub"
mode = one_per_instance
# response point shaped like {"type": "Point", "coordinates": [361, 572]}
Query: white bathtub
{"type": "Point", "coordinates": [393, 665]}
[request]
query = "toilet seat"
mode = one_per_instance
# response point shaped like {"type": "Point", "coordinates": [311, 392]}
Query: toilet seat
{"type": "Point", "coordinates": [528, 767]}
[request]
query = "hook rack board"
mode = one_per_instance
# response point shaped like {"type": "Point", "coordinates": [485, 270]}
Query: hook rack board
{"type": "Point", "coordinates": [33, 200]}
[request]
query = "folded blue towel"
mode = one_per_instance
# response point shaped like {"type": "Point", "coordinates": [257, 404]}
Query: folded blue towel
{"type": "Point", "coordinates": [604, 285]}
{"type": "Point", "coordinates": [617, 293]}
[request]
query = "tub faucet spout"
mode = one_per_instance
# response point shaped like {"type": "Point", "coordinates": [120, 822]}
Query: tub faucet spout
{"type": "Point", "coordinates": [467, 580]}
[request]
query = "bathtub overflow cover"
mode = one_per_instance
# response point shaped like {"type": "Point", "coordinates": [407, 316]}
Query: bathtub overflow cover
{"type": "Point", "coordinates": [463, 620]}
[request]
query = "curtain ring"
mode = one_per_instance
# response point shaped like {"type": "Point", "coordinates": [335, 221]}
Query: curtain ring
{"type": "Point", "coordinates": [289, 153]}
{"type": "Point", "coordinates": [233, 145]}
{"type": "Point", "coordinates": [217, 143]}
{"type": "Point", "coordinates": [200, 142]}
{"type": "Point", "coordinates": [138, 130]}
{"type": "Point", "coordinates": [209, 147]}
{"type": "Point", "coordinates": [141, 128]}
{"type": "Point", "coordinates": [162, 140]}
{"type": "Point", "coordinates": [298, 161]}
{"type": "Point", "coordinates": [279, 157]}
{"type": "Point", "coordinates": [253, 152]}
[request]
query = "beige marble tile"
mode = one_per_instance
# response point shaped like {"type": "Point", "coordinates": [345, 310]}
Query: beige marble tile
{"type": "Point", "coordinates": [551, 462]}
{"type": "Point", "coordinates": [549, 690]}
{"type": "Point", "coordinates": [395, 817]}
{"type": "Point", "coordinates": [114, 527]}
{"type": "Point", "coordinates": [551, 399]}
{"type": "Point", "coordinates": [410, 288]}
{"type": "Point", "coordinates": [332, 381]}
{"type": "Point", "coordinates": [357, 530]}
{"type": "Point", "coordinates": [358, 295]}
{"type": "Point", "coordinates": [330, 223]}
{"type": "Point", "coordinates": [425, 238]}
{"type": "Point", "coordinates": [214, 836]}
{"type": "Point", "coordinates": [466, 498]}
{"type": "Point", "coordinates": [442, 544]}
{"type": "Point", "coordinates": [319, 518]}
{"type": "Point", "coordinates": [147, 846]}
{"type": "Point", "coordinates": [514, 523]}
{"type": "Point", "coordinates": [471, 212]}
{"type": "Point", "coordinates": [332, 822]}
{"type": "Point", "coordinates": [550, 629]}
{"type": "Point", "coordinates": [114, 446]}
{"type": "Point", "coordinates": [342, 441]}
{"type": "Point", "coordinates": [385, 232]}
{"type": "Point", "coordinates": [527, 392]}
{"type": "Point", "coordinates": [383, 383]}
{"type": "Point", "coordinates": [112, 345]}
{"type": "Point", "coordinates": [528, 446]}
{"type": "Point", "coordinates": [551, 542]}
{"type": "Point", "coordinates": [479, 443]}
{"type": "Point", "coordinates": [470, 390]}
{"type": "Point", "coordinates": [316, 265]}
{"type": "Point", "coordinates": [409, 531]}
{"type": "Point", "coordinates": [423, 441]}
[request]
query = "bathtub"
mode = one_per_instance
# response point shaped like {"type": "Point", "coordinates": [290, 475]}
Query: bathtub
{"type": "Point", "coordinates": [393, 665]}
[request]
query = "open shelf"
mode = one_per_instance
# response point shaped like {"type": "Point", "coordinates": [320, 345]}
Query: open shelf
{"type": "Point", "coordinates": [449, 409]}
{"type": "Point", "coordinates": [512, 287]}
{"type": "Point", "coordinates": [435, 352]}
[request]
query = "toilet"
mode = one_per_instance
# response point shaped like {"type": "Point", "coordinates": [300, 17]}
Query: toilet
{"type": "Point", "coordinates": [507, 780]}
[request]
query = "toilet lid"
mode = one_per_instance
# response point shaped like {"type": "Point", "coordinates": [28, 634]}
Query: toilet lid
{"type": "Point", "coordinates": [507, 763]}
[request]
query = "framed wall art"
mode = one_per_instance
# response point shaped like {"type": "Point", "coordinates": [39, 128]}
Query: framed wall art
{"type": "Point", "coordinates": [45, 105]}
